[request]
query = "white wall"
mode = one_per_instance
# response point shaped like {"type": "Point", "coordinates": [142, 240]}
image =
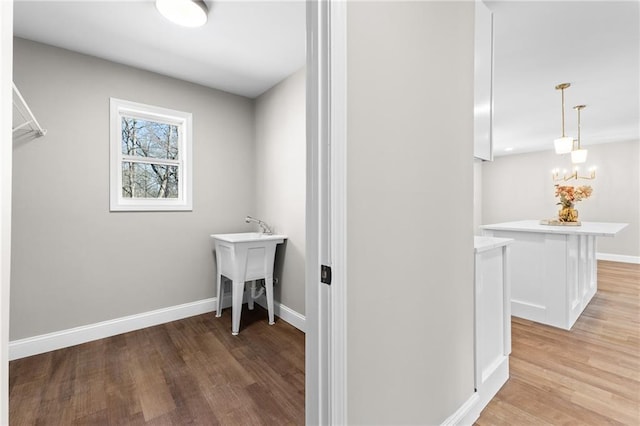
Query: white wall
{"type": "Point", "coordinates": [280, 134]}
{"type": "Point", "coordinates": [6, 55]}
{"type": "Point", "coordinates": [76, 263]}
{"type": "Point", "coordinates": [518, 187]}
{"type": "Point", "coordinates": [410, 210]}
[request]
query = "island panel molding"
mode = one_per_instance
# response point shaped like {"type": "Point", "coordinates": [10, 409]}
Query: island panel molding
{"type": "Point", "coordinates": [492, 331]}
{"type": "Point", "coordinates": [553, 268]}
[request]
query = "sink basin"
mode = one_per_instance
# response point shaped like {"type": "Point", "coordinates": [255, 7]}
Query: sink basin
{"type": "Point", "coordinates": [244, 237]}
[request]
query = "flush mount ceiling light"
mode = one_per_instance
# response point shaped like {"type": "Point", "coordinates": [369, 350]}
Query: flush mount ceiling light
{"type": "Point", "coordinates": [579, 155]}
{"type": "Point", "coordinates": [188, 13]}
{"type": "Point", "coordinates": [563, 144]}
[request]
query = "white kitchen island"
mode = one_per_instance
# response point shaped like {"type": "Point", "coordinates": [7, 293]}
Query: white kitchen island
{"type": "Point", "coordinates": [553, 268]}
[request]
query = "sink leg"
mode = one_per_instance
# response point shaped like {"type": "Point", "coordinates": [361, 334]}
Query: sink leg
{"type": "Point", "coordinates": [236, 308]}
{"type": "Point", "coordinates": [268, 285]}
{"type": "Point", "coordinates": [250, 296]}
{"type": "Point", "coordinates": [220, 294]}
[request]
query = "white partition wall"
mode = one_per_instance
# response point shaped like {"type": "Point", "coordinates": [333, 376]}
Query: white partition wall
{"type": "Point", "coordinates": [409, 235]}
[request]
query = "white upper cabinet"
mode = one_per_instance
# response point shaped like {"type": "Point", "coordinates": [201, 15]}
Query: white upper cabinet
{"type": "Point", "coordinates": [483, 83]}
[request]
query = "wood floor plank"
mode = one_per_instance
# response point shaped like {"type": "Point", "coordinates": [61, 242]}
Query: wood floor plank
{"type": "Point", "coordinates": [589, 375]}
{"type": "Point", "coordinates": [26, 402]}
{"type": "Point", "coordinates": [191, 371]}
{"type": "Point", "coordinates": [31, 370]}
{"type": "Point", "coordinates": [621, 382]}
{"type": "Point", "coordinates": [242, 416]}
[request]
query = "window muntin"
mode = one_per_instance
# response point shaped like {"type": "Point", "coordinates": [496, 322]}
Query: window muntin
{"type": "Point", "coordinates": [150, 157]}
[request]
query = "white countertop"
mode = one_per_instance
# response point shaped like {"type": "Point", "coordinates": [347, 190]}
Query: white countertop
{"type": "Point", "coordinates": [600, 229]}
{"type": "Point", "coordinates": [484, 243]}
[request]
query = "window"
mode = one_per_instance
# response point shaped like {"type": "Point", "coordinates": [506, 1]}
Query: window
{"type": "Point", "coordinates": [150, 157]}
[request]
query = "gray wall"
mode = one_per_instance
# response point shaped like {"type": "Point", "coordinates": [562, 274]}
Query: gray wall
{"type": "Point", "coordinates": [410, 210]}
{"type": "Point", "coordinates": [280, 134]}
{"type": "Point", "coordinates": [518, 187]}
{"type": "Point", "coordinates": [74, 262]}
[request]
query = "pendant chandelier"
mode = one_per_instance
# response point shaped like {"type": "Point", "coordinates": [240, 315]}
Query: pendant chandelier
{"type": "Point", "coordinates": [563, 144]}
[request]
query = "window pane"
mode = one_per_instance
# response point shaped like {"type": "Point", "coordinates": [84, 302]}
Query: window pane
{"type": "Point", "coordinates": [149, 138]}
{"type": "Point", "coordinates": [141, 180]}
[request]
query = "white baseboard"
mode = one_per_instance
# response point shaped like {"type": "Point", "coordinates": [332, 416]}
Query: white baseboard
{"type": "Point", "coordinates": [285, 313]}
{"type": "Point", "coordinates": [461, 415]}
{"type": "Point", "coordinates": [87, 333]}
{"type": "Point", "coordinates": [529, 311]}
{"type": "Point", "coordinates": [74, 336]}
{"type": "Point", "coordinates": [487, 390]}
{"type": "Point", "coordinates": [618, 258]}
{"type": "Point", "coordinates": [470, 411]}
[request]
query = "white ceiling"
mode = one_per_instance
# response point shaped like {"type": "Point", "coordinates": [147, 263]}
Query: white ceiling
{"type": "Point", "coordinates": [248, 46]}
{"type": "Point", "coordinates": [594, 45]}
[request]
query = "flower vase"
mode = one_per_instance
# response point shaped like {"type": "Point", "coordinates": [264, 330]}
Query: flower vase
{"type": "Point", "coordinates": [568, 213]}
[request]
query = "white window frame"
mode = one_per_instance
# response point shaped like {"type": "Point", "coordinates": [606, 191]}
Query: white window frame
{"type": "Point", "coordinates": [183, 120]}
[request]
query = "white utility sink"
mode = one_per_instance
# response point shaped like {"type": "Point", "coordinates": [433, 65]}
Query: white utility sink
{"type": "Point", "coordinates": [243, 237]}
{"type": "Point", "coordinates": [243, 257]}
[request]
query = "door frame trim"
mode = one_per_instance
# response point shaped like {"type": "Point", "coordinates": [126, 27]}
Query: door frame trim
{"type": "Point", "coordinates": [338, 177]}
{"type": "Point", "coordinates": [326, 338]}
{"type": "Point", "coordinates": [6, 153]}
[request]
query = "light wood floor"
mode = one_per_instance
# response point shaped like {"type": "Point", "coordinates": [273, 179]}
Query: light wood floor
{"type": "Point", "coordinates": [191, 371]}
{"type": "Point", "coordinates": [587, 376]}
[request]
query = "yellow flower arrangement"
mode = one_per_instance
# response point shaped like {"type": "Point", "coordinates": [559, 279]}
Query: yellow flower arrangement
{"type": "Point", "coordinates": [570, 195]}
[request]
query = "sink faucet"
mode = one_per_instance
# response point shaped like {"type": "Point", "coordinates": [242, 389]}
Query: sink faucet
{"type": "Point", "coordinates": [263, 226]}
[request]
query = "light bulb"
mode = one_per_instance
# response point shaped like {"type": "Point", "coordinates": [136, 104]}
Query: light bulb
{"type": "Point", "coordinates": [188, 13]}
{"type": "Point", "coordinates": [563, 145]}
{"type": "Point", "coordinates": [578, 156]}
